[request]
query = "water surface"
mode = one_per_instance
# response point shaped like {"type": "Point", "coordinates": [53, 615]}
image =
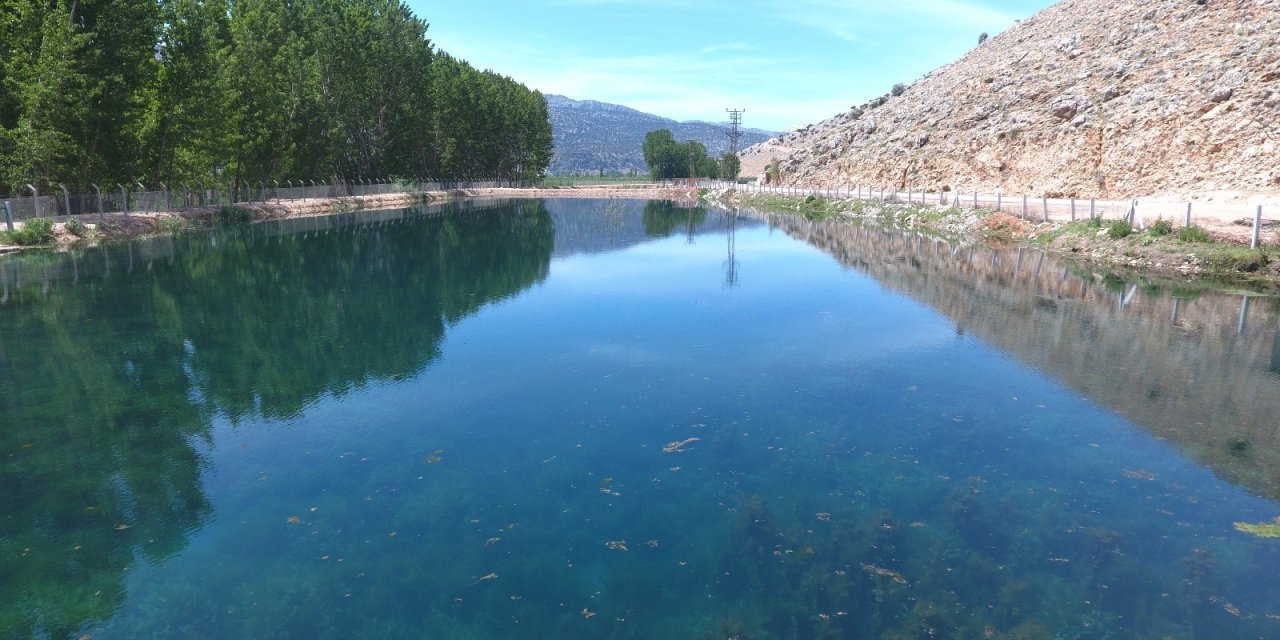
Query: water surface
{"type": "Point", "coordinates": [623, 420]}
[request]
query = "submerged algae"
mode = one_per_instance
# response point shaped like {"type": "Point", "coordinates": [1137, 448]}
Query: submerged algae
{"type": "Point", "coordinates": [1262, 529]}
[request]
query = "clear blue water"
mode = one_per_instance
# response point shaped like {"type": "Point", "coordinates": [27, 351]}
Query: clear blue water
{"type": "Point", "coordinates": [559, 420]}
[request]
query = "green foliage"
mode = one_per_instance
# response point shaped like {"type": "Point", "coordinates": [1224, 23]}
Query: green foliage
{"type": "Point", "coordinates": [1193, 233]}
{"type": "Point", "coordinates": [229, 215]}
{"type": "Point", "coordinates": [730, 165]}
{"type": "Point", "coordinates": [76, 227]}
{"type": "Point", "coordinates": [35, 231]}
{"type": "Point", "coordinates": [668, 158]}
{"type": "Point", "coordinates": [224, 91]}
{"type": "Point", "coordinates": [1119, 229]}
{"type": "Point", "coordinates": [1160, 227]}
{"type": "Point", "coordinates": [773, 173]}
{"type": "Point", "coordinates": [1094, 223]}
{"type": "Point", "coordinates": [172, 225]}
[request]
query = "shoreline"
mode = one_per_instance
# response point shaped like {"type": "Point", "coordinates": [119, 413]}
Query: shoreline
{"type": "Point", "coordinates": [1225, 258]}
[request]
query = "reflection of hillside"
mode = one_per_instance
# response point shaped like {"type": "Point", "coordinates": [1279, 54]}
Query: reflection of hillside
{"type": "Point", "coordinates": [113, 362]}
{"type": "Point", "coordinates": [595, 226]}
{"type": "Point", "coordinates": [1195, 381]}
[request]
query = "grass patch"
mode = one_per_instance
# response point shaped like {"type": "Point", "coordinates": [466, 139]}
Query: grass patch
{"type": "Point", "coordinates": [1193, 233]}
{"type": "Point", "coordinates": [1160, 227]}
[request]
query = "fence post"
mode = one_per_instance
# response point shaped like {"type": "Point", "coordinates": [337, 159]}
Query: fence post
{"type": "Point", "coordinates": [975, 199]}
{"type": "Point", "coordinates": [124, 198]}
{"type": "Point", "coordinates": [164, 193]}
{"type": "Point", "coordinates": [35, 198]}
{"type": "Point", "coordinates": [1092, 203]}
{"type": "Point", "coordinates": [8, 217]}
{"type": "Point", "coordinates": [142, 188]}
{"type": "Point", "coordinates": [66, 197]}
{"type": "Point", "coordinates": [1073, 209]}
{"type": "Point", "coordinates": [102, 214]}
{"type": "Point", "coordinates": [1024, 206]}
{"type": "Point", "coordinates": [1257, 228]}
{"type": "Point", "coordinates": [277, 183]}
{"type": "Point", "coordinates": [1044, 207]}
{"type": "Point", "coordinates": [1187, 221]}
{"type": "Point", "coordinates": [999, 201]}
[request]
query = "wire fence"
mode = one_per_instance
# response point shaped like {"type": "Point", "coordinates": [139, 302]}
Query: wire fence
{"type": "Point", "coordinates": [1036, 209]}
{"type": "Point", "coordinates": [139, 198]}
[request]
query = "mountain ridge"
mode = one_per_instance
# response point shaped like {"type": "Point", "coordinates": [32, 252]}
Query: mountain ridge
{"type": "Point", "coordinates": [590, 136]}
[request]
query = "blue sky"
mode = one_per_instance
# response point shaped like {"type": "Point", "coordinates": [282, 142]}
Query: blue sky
{"type": "Point", "coordinates": [788, 63]}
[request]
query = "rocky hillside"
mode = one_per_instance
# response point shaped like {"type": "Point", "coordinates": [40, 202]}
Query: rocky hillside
{"type": "Point", "coordinates": [1105, 98]}
{"type": "Point", "coordinates": [590, 136]}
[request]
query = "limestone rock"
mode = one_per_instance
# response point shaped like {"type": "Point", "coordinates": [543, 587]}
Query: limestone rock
{"type": "Point", "coordinates": [1088, 98]}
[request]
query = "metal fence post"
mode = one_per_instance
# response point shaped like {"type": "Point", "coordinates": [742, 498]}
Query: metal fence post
{"type": "Point", "coordinates": [1257, 228]}
{"type": "Point", "coordinates": [1044, 207]}
{"type": "Point", "coordinates": [1073, 209]}
{"type": "Point", "coordinates": [124, 198]}
{"type": "Point", "coordinates": [1187, 221]}
{"type": "Point", "coordinates": [102, 214]}
{"type": "Point", "coordinates": [8, 217]}
{"type": "Point", "coordinates": [35, 198]}
{"type": "Point", "coordinates": [164, 193]}
{"type": "Point", "coordinates": [66, 197]}
{"type": "Point", "coordinates": [142, 188]}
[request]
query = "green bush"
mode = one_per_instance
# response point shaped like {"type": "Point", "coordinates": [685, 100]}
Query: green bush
{"type": "Point", "coordinates": [1119, 229]}
{"type": "Point", "coordinates": [228, 214]}
{"type": "Point", "coordinates": [1193, 233]}
{"type": "Point", "coordinates": [1095, 223]}
{"type": "Point", "coordinates": [1161, 227]}
{"type": "Point", "coordinates": [77, 228]}
{"type": "Point", "coordinates": [33, 232]}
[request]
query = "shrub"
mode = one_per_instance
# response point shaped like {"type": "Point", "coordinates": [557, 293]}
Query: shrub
{"type": "Point", "coordinates": [897, 90]}
{"type": "Point", "coordinates": [982, 37]}
{"type": "Point", "coordinates": [1095, 223]}
{"type": "Point", "coordinates": [1161, 227]}
{"type": "Point", "coordinates": [1193, 233]}
{"type": "Point", "coordinates": [1119, 229]}
{"type": "Point", "coordinates": [34, 231]}
{"type": "Point", "coordinates": [76, 228]}
{"type": "Point", "coordinates": [173, 225]}
{"type": "Point", "coordinates": [228, 214]}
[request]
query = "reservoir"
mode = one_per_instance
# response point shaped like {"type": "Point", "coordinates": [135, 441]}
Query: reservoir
{"type": "Point", "coordinates": [627, 419]}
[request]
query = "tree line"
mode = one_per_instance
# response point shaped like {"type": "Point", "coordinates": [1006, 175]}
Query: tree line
{"type": "Point", "coordinates": [107, 91]}
{"type": "Point", "coordinates": [668, 159]}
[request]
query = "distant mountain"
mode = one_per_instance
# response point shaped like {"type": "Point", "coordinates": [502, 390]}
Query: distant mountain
{"type": "Point", "coordinates": [590, 136]}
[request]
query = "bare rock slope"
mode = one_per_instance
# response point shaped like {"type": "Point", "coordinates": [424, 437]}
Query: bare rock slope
{"type": "Point", "coordinates": [1088, 98]}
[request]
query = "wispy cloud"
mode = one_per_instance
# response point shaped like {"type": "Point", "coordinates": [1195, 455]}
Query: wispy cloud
{"type": "Point", "coordinates": [860, 21]}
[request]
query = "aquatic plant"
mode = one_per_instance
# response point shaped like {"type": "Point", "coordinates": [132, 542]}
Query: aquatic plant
{"type": "Point", "coordinates": [1261, 529]}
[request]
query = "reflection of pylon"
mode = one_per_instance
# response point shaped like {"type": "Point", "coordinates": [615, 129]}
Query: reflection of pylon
{"type": "Point", "coordinates": [735, 119]}
{"type": "Point", "coordinates": [731, 265]}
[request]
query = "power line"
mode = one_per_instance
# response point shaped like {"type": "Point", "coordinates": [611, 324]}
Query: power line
{"type": "Point", "coordinates": [735, 119]}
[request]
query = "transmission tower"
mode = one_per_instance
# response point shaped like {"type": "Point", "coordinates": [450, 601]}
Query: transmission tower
{"type": "Point", "coordinates": [735, 119]}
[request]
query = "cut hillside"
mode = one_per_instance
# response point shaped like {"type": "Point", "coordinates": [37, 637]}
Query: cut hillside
{"type": "Point", "coordinates": [1088, 98]}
